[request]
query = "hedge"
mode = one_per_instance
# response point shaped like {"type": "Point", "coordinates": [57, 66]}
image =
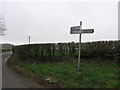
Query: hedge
{"type": "Point", "coordinates": [55, 51]}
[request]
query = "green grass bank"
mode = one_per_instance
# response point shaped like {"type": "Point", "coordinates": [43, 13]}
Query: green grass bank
{"type": "Point", "coordinates": [93, 74]}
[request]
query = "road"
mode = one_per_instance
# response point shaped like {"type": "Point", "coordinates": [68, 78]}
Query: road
{"type": "Point", "coordinates": [12, 79]}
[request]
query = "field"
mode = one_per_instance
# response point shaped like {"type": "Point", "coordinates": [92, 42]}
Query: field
{"type": "Point", "coordinates": [92, 75]}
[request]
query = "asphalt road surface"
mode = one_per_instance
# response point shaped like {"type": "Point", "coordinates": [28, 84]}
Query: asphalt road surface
{"type": "Point", "coordinates": [12, 79]}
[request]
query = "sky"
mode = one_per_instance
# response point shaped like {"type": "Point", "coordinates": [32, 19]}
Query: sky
{"type": "Point", "coordinates": [49, 21]}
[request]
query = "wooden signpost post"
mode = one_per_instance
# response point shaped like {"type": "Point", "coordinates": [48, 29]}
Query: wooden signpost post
{"type": "Point", "coordinates": [79, 30]}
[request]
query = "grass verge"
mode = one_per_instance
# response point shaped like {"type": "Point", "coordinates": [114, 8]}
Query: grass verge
{"type": "Point", "coordinates": [92, 75]}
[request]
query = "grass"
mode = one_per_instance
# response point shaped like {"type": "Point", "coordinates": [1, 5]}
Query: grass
{"type": "Point", "coordinates": [92, 75]}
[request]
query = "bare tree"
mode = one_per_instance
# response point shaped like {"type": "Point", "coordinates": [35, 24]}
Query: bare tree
{"type": "Point", "coordinates": [2, 26]}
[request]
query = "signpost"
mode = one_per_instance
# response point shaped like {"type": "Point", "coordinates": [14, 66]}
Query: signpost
{"type": "Point", "coordinates": [29, 39]}
{"type": "Point", "coordinates": [79, 30]}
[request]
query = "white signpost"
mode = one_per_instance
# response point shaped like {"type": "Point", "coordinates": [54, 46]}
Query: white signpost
{"type": "Point", "coordinates": [79, 30]}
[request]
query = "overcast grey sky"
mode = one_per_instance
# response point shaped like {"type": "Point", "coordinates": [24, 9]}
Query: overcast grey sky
{"type": "Point", "coordinates": [51, 21]}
